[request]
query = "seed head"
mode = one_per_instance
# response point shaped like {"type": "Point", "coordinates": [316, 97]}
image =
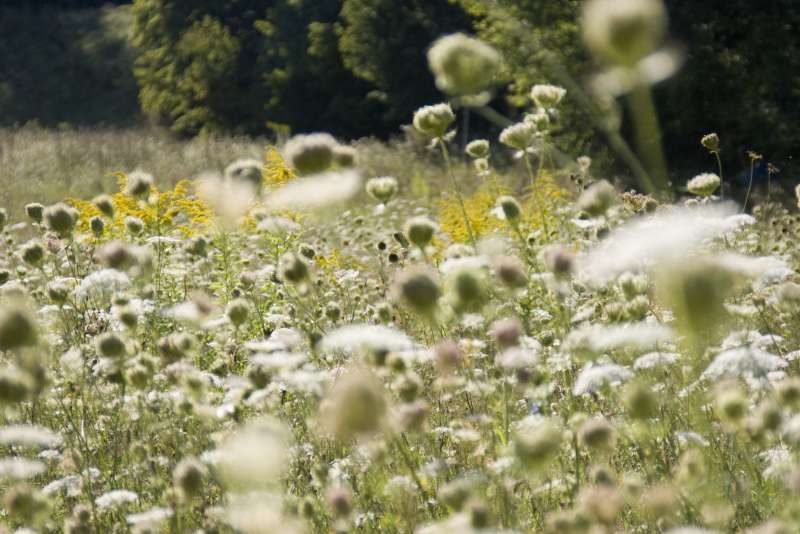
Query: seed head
{"type": "Point", "coordinates": [110, 345]}
{"type": "Point", "coordinates": [511, 271]}
{"type": "Point", "coordinates": [382, 189]}
{"type": "Point", "coordinates": [60, 218]}
{"type": "Point", "coordinates": [536, 447]}
{"type": "Point", "coordinates": [478, 149]}
{"type": "Point", "coordinates": [105, 204]}
{"type": "Point", "coordinates": [511, 208]}
{"type": "Point", "coordinates": [245, 171]}
{"type": "Point", "coordinates": [710, 142]}
{"type": "Point", "coordinates": [292, 268]}
{"type": "Point", "coordinates": [188, 477]}
{"type": "Point", "coordinates": [559, 260]}
{"type": "Point", "coordinates": [237, 311]}
{"type": "Point", "coordinates": [311, 153]}
{"type": "Point", "coordinates": [433, 121]}
{"type": "Point", "coordinates": [355, 406]}
{"type": "Point", "coordinates": [17, 327]}
{"type": "Point", "coordinates": [134, 225]}
{"type": "Point", "coordinates": [463, 65]}
{"type": "Point", "coordinates": [417, 288]}
{"type": "Point", "coordinates": [624, 31]}
{"type": "Point", "coordinates": [32, 252]}
{"type": "Point", "coordinates": [420, 230]}
{"type": "Point", "coordinates": [345, 156]}
{"type": "Point", "coordinates": [598, 198]}
{"type": "Point", "coordinates": [597, 434]}
{"type": "Point", "coordinates": [97, 225]}
{"type": "Point", "coordinates": [138, 184]}
{"type": "Point", "coordinates": [35, 211]}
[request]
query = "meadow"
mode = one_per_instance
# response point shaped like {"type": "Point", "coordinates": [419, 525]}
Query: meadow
{"type": "Point", "coordinates": [307, 335]}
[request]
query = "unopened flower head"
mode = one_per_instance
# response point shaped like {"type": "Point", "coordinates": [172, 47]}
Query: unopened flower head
{"type": "Point", "coordinates": [624, 31]}
{"type": "Point", "coordinates": [17, 327]}
{"type": "Point", "coordinates": [710, 142]}
{"type": "Point", "coordinates": [598, 198]}
{"type": "Point", "coordinates": [420, 230]}
{"type": "Point", "coordinates": [382, 189]}
{"type": "Point", "coordinates": [433, 121]}
{"type": "Point", "coordinates": [417, 288]}
{"type": "Point", "coordinates": [478, 149]}
{"type": "Point", "coordinates": [60, 218]}
{"type": "Point", "coordinates": [463, 65]}
{"type": "Point", "coordinates": [520, 136]}
{"type": "Point", "coordinates": [138, 184]}
{"type": "Point", "coordinates": [34, 211]}
{"type": "Point", "coordinates": [547, 96]}
{"type": "Point", "coordinates": [536, 444]}
{"type": "Point", "coordinates": [355, 406]}
{"type": "Point", "coordinates": [510, 208]}
{"type": "Point", "coordinates": [310, 153]}
{"type": "Point", "coordinates": [703, 185]}
{"type": "Point", "coordinates": [247, 171]}
{"type": "Point", "coordinates": [105, 204]}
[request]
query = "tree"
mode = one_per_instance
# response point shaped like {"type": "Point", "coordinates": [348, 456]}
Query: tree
{"type": "Point", "coordinates": [385, 42]}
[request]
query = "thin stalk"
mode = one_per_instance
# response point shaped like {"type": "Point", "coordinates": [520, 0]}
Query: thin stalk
{"type": "Point", "coordinates": [536, 193]}
{"type": "Point", "coordinates": [721, 178]}
{"type": "Point", "coordinates": [750, 185]}
{"type": "Point", "coordinates": [446, 155]}
{"type": "Point", "coordinates": [648, 134]}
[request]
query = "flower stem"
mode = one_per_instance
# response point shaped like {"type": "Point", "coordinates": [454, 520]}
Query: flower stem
{"type": "Point", "coordinates": [446, 156]}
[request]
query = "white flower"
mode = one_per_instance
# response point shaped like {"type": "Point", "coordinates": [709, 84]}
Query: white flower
{"type": "Point", "coordinates": [149, 518]}
{"type": "Point", "coordinates": [102, 285]}
{"type": "Point", "coordinates": [744, 362]}
{"type": "Point", "coordinates": [703, 185]}
{"type": "Point", "coordinates": [547, 96]}
{"type": "Point", "coordinates": [29, 436]}
{"type": "Point", "coordinates": [115, 498]}
{"type": "Point", "coordinates": [366, 336]}
{"type": "Point", "coordinates": [779, 462]}
{"type": "Point", "coordinates": [592, 377]}
{"type": "Point", "coordinates": [315, 192]}
{"type": "Point", "coordinates": [665, 237]}
{"type": "Point", "coordinates": [70, 483]}
{"type": "Point", "coordinates": [651, 360]}
{"type": "Point", "coordinates": [20, 468]}
{"type": "Point", "coordinates": [596, 339]}
{"type": "Point", "coordinates": [517, 358]}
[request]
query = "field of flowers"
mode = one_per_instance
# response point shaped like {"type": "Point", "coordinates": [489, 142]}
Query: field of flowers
{"type": "Point", "coordinates": [291, 346]}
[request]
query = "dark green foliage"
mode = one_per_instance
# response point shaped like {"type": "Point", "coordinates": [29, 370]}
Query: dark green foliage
{"type": "Point", "coordinates": [66, 67]}
{"type": "Point", "coordinates": [385, 42]}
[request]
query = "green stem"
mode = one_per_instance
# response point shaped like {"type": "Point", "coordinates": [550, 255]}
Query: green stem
{"type": "Point", "coordinates": [446, 155]}
{"type": "Point", "coordinates": [721, 178]}
{"type": "Point", "coordinates": [648, 135]}
{"type": "Point", "coordinates": [750, 185]}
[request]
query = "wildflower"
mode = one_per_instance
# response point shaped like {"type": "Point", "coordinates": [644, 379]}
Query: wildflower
{"type": "Point", "coordinates": [110, 345]}
{"type": "Point", "coordinates": [35, 211]}
{"type": "Point", "coordinates": [315, 192]}
{"type": "Point", "coordinates": [97, 225]}
{"type": "Point", "coordinates": [237, 311]}
{"type": "Point", "coordinates": [520, 136]}
{"type": "Point", "coordinates": [134, 225]}
{"type": "Point", "coordinates": [149, 519]}
{"type": "Point", "coordinates": [25, 504]}
{"type": "Point", "coordinates": [188, 478]}
{"type": "Point", "coordinates": [594, 376]}
{"type": "Point", "coordinates": [105, 204]}
{"type": "Point", "coordinates": [703, 185]}
{"type": "Point", "coordinates": [510, 208]}
{"type": "Point", "coordinates": [547, 96]}
{"type": "Point", "coordinates": [467, 286]}
{"type": "Point", "coordinates": [138, 184]}
{"type": "Point", "coordinates": [382, 189]}
{"type": "Point", "coordinates": [506, 332]}
{"type": "Point", "coordinates": [18, 468]}
{"type": "Point", "coordinates": [246, 171]}
{"type": "Point", "coordinates": [558, 260]}
{"type": "Point", "coordinates": [374, 338]}
{"type": "Point", "coordinates": [255, 455]}
{"type": "Point", "coordinates": [32, 252]}
{"type": "Point", "coordinates": [115, 498]}
{"type": "Point", "coordinates": [710, 142]}
{"type": "Point", "coordinates": [597, 434]}
{"type": "Point", "coordinates": [448, 356]}
{"type": "Point", "coordinates": [292, 268]}
{"type": "Point", "coordinates": [536, 444]}
{"type": "Point", "coordinates": [640, 401]}
{"type": "Point", "coordinates": [433, 121]}
{"type": "Point", "coordinates": [511, 271]}
{"type": "Point", "coordinates": [28, 436]}
{"type": "Point", "coordinates": [417, 288]}
{"type": "Point", "coordinates": [598, 198]}
{"type": "Point", "coordinates": [478, 149]}
{"type": "Point", "coordinates": [750, 363]}
{"type": "Point", "coordinates": [355, 406]}
{"type": "Point", "coordinates": [60, 218]}
{"type": "Point", "coordinates": [229, 199]}
{"type": "Point", "coordinates": [419, 231]}
{"type": "Point", "coordinates": [102, 285]}
{"type": "Point", "coordinates": [462, 65]}
{"type": "Point", "coordinates": [17, 328]}
{"type": "Point", "coordinates": [345, 156]}
{"type": "Point", "coordinates": [311, 153]}
{"type": "Point", "coordinates": [624, 31]}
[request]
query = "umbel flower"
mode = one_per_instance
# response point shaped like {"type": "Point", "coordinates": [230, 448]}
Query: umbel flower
{"type": "Point", "coordinates": [310, 154]}
{"type": "Point", "coordinates": [703, 185]}
{"type": "Point", "coordinates": [463, 65]}
{"type": "Point", "coordinates": [433, 121]}
{"type": "Point", "coordinates": [624, 31]}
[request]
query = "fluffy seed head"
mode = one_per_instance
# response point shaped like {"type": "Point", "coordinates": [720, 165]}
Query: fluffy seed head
{"type": "Point", "coordinates": [105, 204]}
{"type": "Point", "coordinates": [355, 406]}
{"type": "Point", "coordinates": [138, 184]}
{"type": "Point", "coordinates": [597, 434]}
{"type": "Point", "coordinates": [60, 218]}
{"type": "Point", "coordinates": [511, 271]}
{"type": "Point", "coordinates": [345, 156]}
{"type": "Point", "coordinates": [292, 268]}
{"type": "Point", "coordinates": [134, 225]}
{"type": "Point", "coordinates": [247, 171]}
{"type": "Point", "coordinates": [417, 288]}
{"type": "Point", "coordinates": [511, 208]}
{"type": "Point", "coordinates": [17, 327]}
{"type": "Point", "coordinates": [506, 332]}
{"type": "Point", "coordinates": [32, 252]}
{"type": "Point", "coordinates": [188, 477]}
{"type": "Point", "coordinates": [463, 65]}
{"type": "Point", "coordinates": [110, 345]}
{"type": "Point", "coordinates": [35, 211]}
{"type": "Point", "coordinates": [537, 446]}
{"type": "Point", "coordinates": [237, 311]}
{"type": "Point", "coordinates": [558, 260]}
{"type": "Point", "coordinates": [624, 31]}
{"type": "Point", "coordinates": [311, 153]}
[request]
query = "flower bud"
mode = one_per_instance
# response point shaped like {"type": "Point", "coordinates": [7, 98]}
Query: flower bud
{"type": "Point", "coordinates": [35, 211]}
{"type": "Point", "coordinates": [478, 149]}
{"type": "Point", "coordinates": [420, 230]}
{"type": "Point", "coordinates": [105, 205]}
{"type": "Point", "coordinates": [433, 121]}
{"type": "Point", "coordinates": [511, 208]}
{"type": "Point", "coordinates": [710, 142]}
{"type": "Point", "coordinates": [60, 218]}
{"type": "Point", "coordinates": [138, 184]}
{"type": "Point", "coordinates": [382, 189]}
